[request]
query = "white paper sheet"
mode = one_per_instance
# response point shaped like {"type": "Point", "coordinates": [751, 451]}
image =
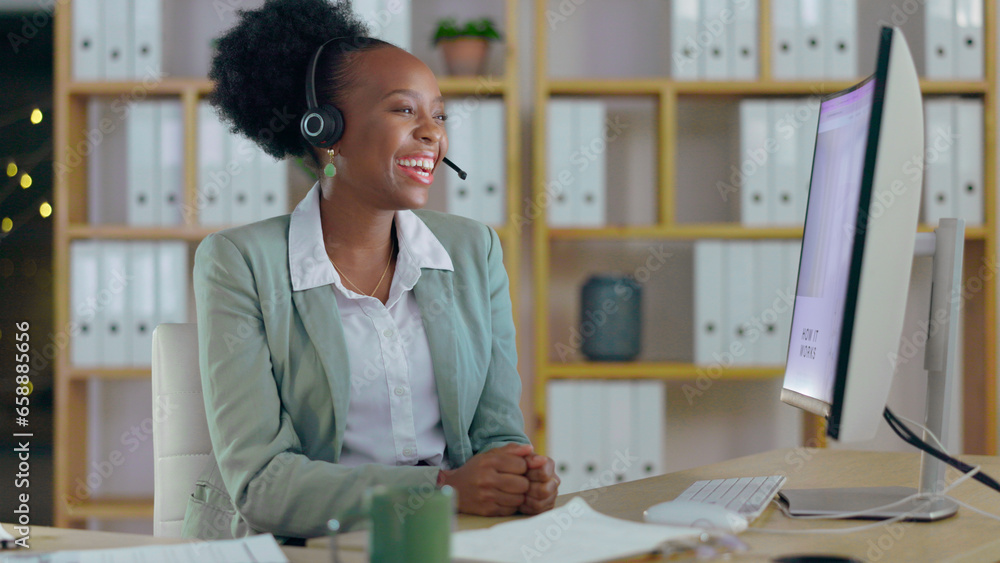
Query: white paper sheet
{"type": "Point", "coordinates": [254, 549]}
{"type": "Point", "coordinates": [572, 533]}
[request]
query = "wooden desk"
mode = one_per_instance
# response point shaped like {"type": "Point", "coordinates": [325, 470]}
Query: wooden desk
{"type": "Point", "coordinates": [44, 538]}
{"type": "Point", "coordinates": [967, 537]}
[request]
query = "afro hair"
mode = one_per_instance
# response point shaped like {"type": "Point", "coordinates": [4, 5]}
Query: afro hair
{"type": "Point", "coordinates": [260, 64]}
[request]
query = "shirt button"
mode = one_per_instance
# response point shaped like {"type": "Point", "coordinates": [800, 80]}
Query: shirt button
{"type": "Point", "coordinates": [400, 390]}
{"type": "Point", "coordinates": [388, 333]}
{"type": "Point", "coordinates": [407, 451]}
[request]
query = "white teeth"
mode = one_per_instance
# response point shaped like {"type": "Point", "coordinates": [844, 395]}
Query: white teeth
{"type": "Point", "coordinates": [425, 163]}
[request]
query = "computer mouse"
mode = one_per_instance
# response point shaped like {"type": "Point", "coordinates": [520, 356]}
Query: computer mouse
{"type": "Point", "coordinates": [691, 514]}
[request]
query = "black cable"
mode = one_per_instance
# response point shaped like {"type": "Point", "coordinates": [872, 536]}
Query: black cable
{"type": "Point", "coordinates": [909, 437]}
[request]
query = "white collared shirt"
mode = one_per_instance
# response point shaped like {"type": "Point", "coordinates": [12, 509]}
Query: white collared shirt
{"type": "Point", "coordinates": [394, 417]}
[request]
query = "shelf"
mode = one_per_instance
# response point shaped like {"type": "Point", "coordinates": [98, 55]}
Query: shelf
{"type": "Point", "coordinates": [655, 370]}
{"type": "Point", "coordinates": [139, 373]}
{"type": "Point", "coordinates": [652, 86]}
{"type": "Point", "coordinates": [707, 230]}
{"type": "Point", "coordinates": [180, 232]}
{"type": "Point", "coordinates": [450, 86]}
{"type": "Point", "coordinates": [113, 509]}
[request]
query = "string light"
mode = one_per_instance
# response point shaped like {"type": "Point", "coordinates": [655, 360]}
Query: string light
{"type": "Point", "coordinates": [45, 209]}
{"type": "Point", "coordinates": [6, 225]}
{"type": "Point", "coordinates": [11, 170]}
{"type": "Point", "coordinates": [25, 181]}
{"type": "Point", "coordinates": [36, 116]}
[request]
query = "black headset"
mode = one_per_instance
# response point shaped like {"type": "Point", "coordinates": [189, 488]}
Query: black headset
{"type": "Point", "coordinates": [323, 125]}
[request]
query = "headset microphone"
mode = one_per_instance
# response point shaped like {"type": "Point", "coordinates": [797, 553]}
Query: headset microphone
{"type": "Point", "coordinates": [323, 125]}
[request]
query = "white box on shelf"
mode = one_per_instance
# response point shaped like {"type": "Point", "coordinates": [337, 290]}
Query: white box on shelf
{"type": "Point", "coordinates": [214, 179]}
{"type": "Point", "coordinates": [618, 429]}
{"type": "Point", "coordinates": [118, 40]}
{"type": "Point", "coordinates": [590, 433]}
{"type": "Point", "coordinates": [562, 405]}
{"type": "Point", "coordinates": [590, 206]}
{"type": "Point", "coordinates": [245, 180]}
{"type": "Point", "coordinates": [143, 163]}
{"type": "Point", "coordinates": [743, 55]}
{"type": "Point", "coordinates": [841, 52]}
{"type": "Point", "coordinates": [561, 186]}
{"type": "Point", "coordinates": [755, 163]}
{"type": "Point", "coordinates": [714, 27]}
{"type": "Point", "coordinates": [812, 40]}
{"type": "Point", "coordinates": [492, 184]}
{"type": "Point", "coordinates": [88, 39]}
{"type": "Point", "coordinates": [462, 126]}
{"type": "Point", "coordinates": [649, 428]}
{"type": "Point", "coordinates": [388, 20]}
{"type": "Point", "coordinates": [740, 292]}
{"type": "Point", "coordinates": [686, 54]}
{"type": "Point", "coordinates": [769, 264]}
{"type": "Point", "coordinates": [968, 115]}
{"type": "Point", "coordinates": [710, 322]}
{"type": "Point", "coordinates": [968, 39]}
{"type": "Point", "coordinates": [784, 39]}
{"type": "Point", "coordinates": [85, 288]}
{"type": "Point", "coordinates": [115, 276]}
{"type": "Point", "coordinates": [171, 162]}
{"type": "Point", "coordinates": [142, 301]}
{"type": "Point", "coordinates": [939, 173]}
{"type": "Point", "coordinates": [273, 185]}
{"type": "Point", "coordinates": [173, 278]}
{"type": "Point", "coordinates": [939, 38]}
{"type": "Point", "coordinates": [785, 191]}
{"type": "Point", "coordinates": [148, 27]}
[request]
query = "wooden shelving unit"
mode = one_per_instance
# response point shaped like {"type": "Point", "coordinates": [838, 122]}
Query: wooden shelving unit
{"type": "Point", "coordinates": [70, 214]}
{"type": "Point", "coordinates": [979, 379]}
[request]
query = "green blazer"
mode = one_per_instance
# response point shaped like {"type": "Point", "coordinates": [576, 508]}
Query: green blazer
{"type": "Point", "coordinates": [274, 368]}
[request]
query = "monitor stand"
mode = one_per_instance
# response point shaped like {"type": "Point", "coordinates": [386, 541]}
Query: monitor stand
{"type": "Point", "coordinates": [946, 246]}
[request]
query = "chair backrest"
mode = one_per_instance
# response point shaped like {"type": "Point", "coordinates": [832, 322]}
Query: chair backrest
{"type": "Point", "coordinates": [181, 445]}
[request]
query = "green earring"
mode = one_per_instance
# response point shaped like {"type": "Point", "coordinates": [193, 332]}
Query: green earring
{"type": "Point", "coordinates": [330, 170]}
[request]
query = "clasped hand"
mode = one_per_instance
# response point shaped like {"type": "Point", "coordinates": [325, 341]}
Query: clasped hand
{"type": "Point", "coordinates": [504, 480]}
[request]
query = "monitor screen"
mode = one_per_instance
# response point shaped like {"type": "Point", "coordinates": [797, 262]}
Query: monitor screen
{"type": "Point", "coordinates": [827, 244]}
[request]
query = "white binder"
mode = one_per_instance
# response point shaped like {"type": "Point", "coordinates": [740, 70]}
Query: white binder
{"type": "Point", "coordinates": [245, 183]}
{"type": "Point", "coordinates": [214, 181]}
{"type": "Point", "coordinates": [116, 282]}
{"type": "Point", "coordinates": [939, 38]}
{"type": "Point", "coordinates": [939, 174]}
{"type": "Point", "coordinates": [710, 322]}
{"type": "Point", "coordinates": [142, 301]}
{"type": "Point", "coordinates": [618, 429]}
{"type": "Point", "coordinates": [968, 39]}
{"type": "Point", "coordinates": [590, 432]}
{"type": "Point", "coordinates": [389, 20]}
{"type": "Point", "coordinates": [784, 39]}
{"type": "Point", "coordinates": [740, 293]}
{"type": "Point", "coordinates": [171, 162]}
{"type": "Point", "coordinates": [686, 55]}
{"type": "Point", "coordinates": [743, 56]}
{"type": "Point", "coordinates": [118, 40]}
{"type": "Point", "coordinates": [841, 52]}
{"type": "Point", "coordinates": [968, 114]}
{"type": "Point", "coordinates": [562, 176]}
{"type": "Point", "coordinates": [649, 428]}
{"type": "Point", "coordinates": [148, 45]}
{"type": "Point", "coordinates": [492, 161]}
{"type": "Point", "coordinates": [273, 185]}
{"type": "Point", "coordinates": [462, 126]}
{"type": "Point", "coordinates": [88, 39]}
{"type": "Point", "coordinates": [143, 154]}
{"type": "Point", "coordinates": [785, 176]}
{"type": "Point", "coordinates": [85, 267]}
{"type": "Point", "coordinates": [812, 39]}
{"type": "Point", "coordinates": [173, 277]}
{"type": "Point", "coordinates": [563, 404]}
{"type": "Point", "coordinates": [804, 159]}
{"type": "Point", "coordinates": [590, 205]}
{"type": "Point", "coordinates": [717, 50]}
{"type": "Point", "coordinates": [755, 163]}
{"type": "Point", "coordinates": [770, 282]}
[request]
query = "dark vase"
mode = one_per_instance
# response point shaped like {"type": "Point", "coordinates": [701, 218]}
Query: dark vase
{"type": "Point", "coordinates": [611, 318]}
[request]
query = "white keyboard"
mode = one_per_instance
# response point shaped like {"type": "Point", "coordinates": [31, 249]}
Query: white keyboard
{"type": "Point", "coordinates": [747, 495]}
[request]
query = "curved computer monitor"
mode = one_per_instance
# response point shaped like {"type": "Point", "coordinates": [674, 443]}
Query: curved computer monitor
{"type": "Point", "coordinates": [857, 246]}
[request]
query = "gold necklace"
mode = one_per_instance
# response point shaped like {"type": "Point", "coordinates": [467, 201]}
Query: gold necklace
{"type": "Point", "coordinates": [374, 291]}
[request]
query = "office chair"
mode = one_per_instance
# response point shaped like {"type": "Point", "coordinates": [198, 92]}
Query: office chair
{"type": "Point", "coordinates": [181, 445]}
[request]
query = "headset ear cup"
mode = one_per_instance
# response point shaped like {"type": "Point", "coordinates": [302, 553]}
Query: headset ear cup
{"type": "Point", "coordinates": [335, 119]}
{"type": "Point", "coordinates": [322, 126]}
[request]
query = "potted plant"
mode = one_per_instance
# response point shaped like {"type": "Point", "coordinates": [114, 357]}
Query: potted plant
{"type": "Point", "coordinates": [465, 47]}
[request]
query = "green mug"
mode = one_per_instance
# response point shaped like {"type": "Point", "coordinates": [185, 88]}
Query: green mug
{"type": "Point", "coordinates": [408, 525]}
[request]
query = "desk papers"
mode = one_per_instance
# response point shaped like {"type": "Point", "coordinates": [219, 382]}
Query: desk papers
{"type": "Point", "coordinates": [572, 533]}
{"type": "Point", "coordinates": [253, 549]}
